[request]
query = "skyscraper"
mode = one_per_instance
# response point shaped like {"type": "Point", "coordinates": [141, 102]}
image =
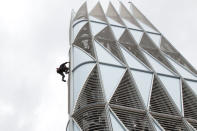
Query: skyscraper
{"type": "Point", "coordinates": [125, 75]}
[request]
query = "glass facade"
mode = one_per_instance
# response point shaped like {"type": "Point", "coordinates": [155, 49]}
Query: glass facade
{"type": "Point", "coordinates": [125, 76]}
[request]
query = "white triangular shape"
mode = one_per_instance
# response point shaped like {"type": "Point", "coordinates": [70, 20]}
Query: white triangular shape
{"type": "Point", "coordinates": [173, 87]}
{"type": "Point", "coordinates": [96, 27]}
{"type": "Point", "coordinates": [183, 72]}
{"type": "Point", "coordinates": [116, 125]}
{"type": "Point", "coordinates": [132, 61]}
{"type": "Point", "coordinates": [144, 84]}
{"type": "Point", "coordinates": [80, 75]}
{"type": "Point", "coordinates": [75, 127]}
{"type": "Point", "coordinates": [156, 38]}
{"type": "Point", "coordinates": [159, 68]}
{"type": "Point", "coordinates": [137, 35]}
{"type": "Point", "coordinates": [77, 28]}
{"type": "Point", "coordinates": [92, 18]}
{"type": "Point", "coordinates": [130, 25]}
{"type": "Point", "coordinates": [111, 77]}
{"type": "Point", "coordinates": [80, 56]}
{"type": "Point", "coordinates": [113, 22]}
{"type": "Point", "coordinates": [105, 56]}
{"type": "Point", "coordinates": [193, 86]}
{"type": "Point", "coordinates": [117, 31]}
{"type": "Point", "coordinates": [146, 27]}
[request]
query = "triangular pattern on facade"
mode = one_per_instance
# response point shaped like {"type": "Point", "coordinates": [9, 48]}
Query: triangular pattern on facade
{"type": "Point", "coordinates": [155, 38]}
{"type": "Point", "coordinates": [113, 16]}
{"type": "Point", "coordinates": [193, 123]}
{"type": "Point", "coordinates": [173, 87]}
{"type": "Point", "coordinates": [133, 120]}
{"type": "Point", "coordinates": [104, 55]}
{"type": "Point", "coordinates": [145, 86]}
{"type": "Point", "coordinates": [91, 92]}
{"type": "Point", "coordinates": [189, 102]}
{"type": "Point", "coordinates": [117, 31]}
{"type": "Point", "coordinates": [160, 102]}
{"type": "Point", "coordinates": [105, 37]}
{"type": "Point", "coordinates": [77, 28]}
{"type": "Point", "coordinates": [96, 27]}
{"type": "Point", "coordinates": [127, 41]}
{"type": "Point", "coordinates": [75, 127]}
{"type": "Point", "coordinates": [80, 76]}
{"type": "Point", "coordinates": [111, 78]}
{"type": "Point", "coordinates": [137, 35]}
{"type": "Point", "coordinates": [97, 12]}
{"type": "Point", "coordinates": [84, 41]}
{"type": "Point", "coordinates": [92, 118]}
{"type": "Point", "coordinates": [168, 49]}
{"type": "Point", "coordinates": [128, 19]}
{"type": "Point", "coordinates": [80, 57]}
{"type": "Point", "coordinates": [126, 94]}
{"type": "Point", "coordinates": [132, 61]}
{"type": "Point", "coordinates": [82, 12]}
{"type": "Point", "coordinates": [148, 45]}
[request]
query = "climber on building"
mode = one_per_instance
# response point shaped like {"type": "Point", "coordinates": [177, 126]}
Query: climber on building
{"type": "Point", "coordinates": [63, 69]}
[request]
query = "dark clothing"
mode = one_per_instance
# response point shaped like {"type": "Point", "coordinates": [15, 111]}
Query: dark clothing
{"type": "Point", "coordinates": [63, 69]}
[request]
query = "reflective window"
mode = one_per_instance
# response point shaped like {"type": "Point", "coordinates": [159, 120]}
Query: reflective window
{"type": "Point", "coordinates": [115, 123]}
{"type": "Point", "coordinates": [80, 75]}
{"type": "Point", "coordinates": [132, 61]}
{"type": "Point", "coordinates": [156, 38]}
{"type": "Point", "coordinates": [96, 27]}
{"type": "Point", "coordinates": [111, 77]}
{"type": "Point", "coordinates": [76, 128]}
{"type": "Point", "coordinates": [172, 85]}
{"type": "Point", "coordinates": [159, 68]}
{"type": "Point", "coordinates": [130, 25]}
{"type": "Point", "coordinates": [144, 83]}
{"type": "Point", "coordinates": [183, 72]}
{"type": "Point", "coordinates": [80, 56]}
{"type": "Point", "coordinates": [104, 55]}
{"type": "Point", "coordinates": [137, 35]}
{"type": "Point", "coordinates": [193, 86]}
{"type": "Point", "coordinates": [117, 31]}
{"type": "Point", "coordinates": [78, 27]}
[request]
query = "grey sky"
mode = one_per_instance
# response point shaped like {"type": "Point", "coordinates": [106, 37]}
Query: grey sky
{"type": "Point", "coordinates": [34, 41]}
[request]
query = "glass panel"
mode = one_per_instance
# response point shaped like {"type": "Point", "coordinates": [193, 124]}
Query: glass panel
{"type": "Point", "coordinates": [172, 85]}
{"type": "Point", "coordinates": [115, 123]}
{"type": "Point", "coordinates": [156, 39]}
{"type": "Point", "coordinates": [132, 61]}
{"type": "Point", "coordinates": [111, 77]}
{"type": "Point", "coordinates": [144, 83]}
{"type": "Point", "coordinates": [76, 128]}
{"type": "Point", "coordinates": [193, 86]}
{"type": "Point", "coordinates": [117, 31]}
{"type": "Point", "coordinates": [78, 27]}
{"type": "Point", "coordinates": [105, 56]}
{"type": "Point", "coordinates": [146, 27]}
{"type": "Point", "coordinates": [113, 22]}
{"type": "Point", "coordinates": [159, 68]}
{"type": "Point", "coordinates": [183, 72]}
{"type": "Point", "coordinates": [137, 35]}
{"type": "Point", "coordinates": [80, 56]}
{"type": "Point", "coordinates": [96, 27]}
{"type": "Point", "coordinates": [130, 25]}
{"type": "Point", "coordinates": [80, 75]}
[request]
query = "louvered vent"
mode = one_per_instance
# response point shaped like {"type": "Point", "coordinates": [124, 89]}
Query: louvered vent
{"type": "Point", "coordinates": [170, 123]}
{"type": "Point", "coordinates": [134, 120]}
{"type": "Point", "coordinates": [189, 102]}
{"type": "Point", "coordinates": [125, 94]}
{"type": "Point", "coordinates": [91, 92]}
{"type": "Point", "coordinates": [160, 102]}
{"type": "Point", "coordinates": [92, 118]}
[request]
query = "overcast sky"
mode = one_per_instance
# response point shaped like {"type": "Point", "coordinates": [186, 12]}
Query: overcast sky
{"type": "Point", "coordinates": [34, 41]}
